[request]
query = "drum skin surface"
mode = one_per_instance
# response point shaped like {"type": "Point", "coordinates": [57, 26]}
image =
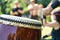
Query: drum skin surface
{"type": "Point", "coordinates": [8, 32]}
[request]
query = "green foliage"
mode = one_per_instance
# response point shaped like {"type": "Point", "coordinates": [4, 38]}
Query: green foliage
{"type": "Point", "coordinates": [23, 4]}
{"type": "Point", "coordinates": [6, 7]}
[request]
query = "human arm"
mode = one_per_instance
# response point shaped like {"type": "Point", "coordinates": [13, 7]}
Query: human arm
{"type": "Point", "coordinates": [20, 10]}
{"type": "Point", "coordinates": [50, 7]}
{"type": "Point", "coordinates": [13, 12]}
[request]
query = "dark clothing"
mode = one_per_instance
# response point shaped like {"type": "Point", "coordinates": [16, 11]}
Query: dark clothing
{"type": "Point", "coordinates": [56, 34]}
{"type": "Point", "coordinates": [16, 10]}
{"type": "Point", "coordinates": [44, 17]}
{"type": "Point", "coordinates": [34, 17]}
{"type": "Point", "coordinates": [55, 4]}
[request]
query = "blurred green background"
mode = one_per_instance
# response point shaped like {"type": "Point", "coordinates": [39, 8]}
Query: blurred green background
{"type": "Point", "coordinates": [6, 5]}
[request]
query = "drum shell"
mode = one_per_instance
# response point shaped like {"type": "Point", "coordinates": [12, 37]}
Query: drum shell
{"type": "Point", "coordinates": [9, 32]}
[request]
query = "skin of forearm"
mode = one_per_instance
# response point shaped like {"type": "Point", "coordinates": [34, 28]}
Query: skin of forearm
{"type": "Point", "coordinates": [21, 11]}
{"type": "Point", "coordinates": [14, 13]}
{"type": "Point", "coordinates": [59, 0]}
{"type": "Point", "coordinates": [47, 10]}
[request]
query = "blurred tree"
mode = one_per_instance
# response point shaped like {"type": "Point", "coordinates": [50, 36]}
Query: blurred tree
{"type": "Point", "coordinates": [3, 6]}
{"type": "Point", "coordinates": [23, 3]}
{"type": "Point", "coordinates": [6, 5]}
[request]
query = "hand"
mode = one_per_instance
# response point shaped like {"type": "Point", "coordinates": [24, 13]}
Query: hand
{"type": "Point", "coordinates": [15, 13]}
{"type": "Point", "coordinates": [47, 10]}
{"type": "Point", "coordinates": [21, 11]}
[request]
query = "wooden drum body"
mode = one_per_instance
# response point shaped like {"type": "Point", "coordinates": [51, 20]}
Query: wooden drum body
{"type": "Point", "coordinates": [8, 32]}
{"type": "Point", "coordinates": [28, 34]}
{"type": "Point", "coordinates": [18, 28]}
